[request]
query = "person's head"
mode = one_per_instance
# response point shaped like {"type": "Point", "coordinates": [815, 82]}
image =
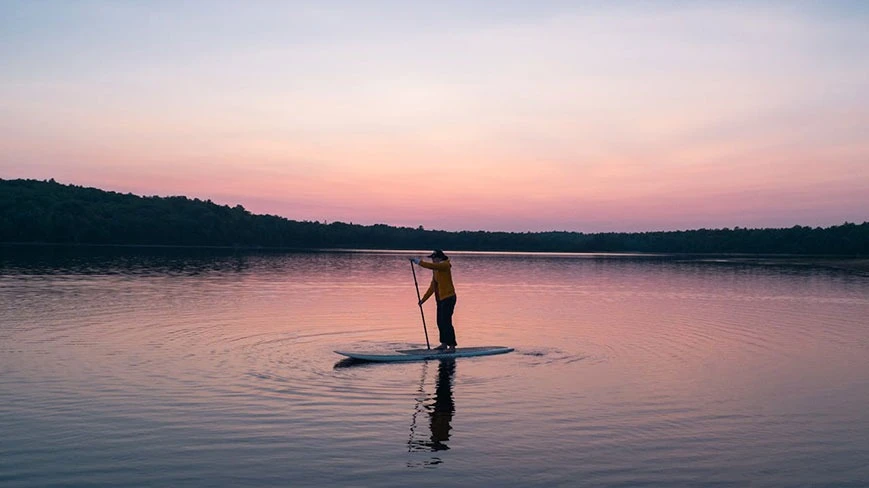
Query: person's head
{"type": "Point", "coordinates": [438, 255]}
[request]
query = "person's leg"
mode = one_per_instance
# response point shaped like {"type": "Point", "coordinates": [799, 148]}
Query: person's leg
{"type": "Point", "coordinates": [446, 307]}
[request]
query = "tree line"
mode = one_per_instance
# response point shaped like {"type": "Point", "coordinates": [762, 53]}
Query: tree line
{"type": "Point", "coordinates": [33, 211]}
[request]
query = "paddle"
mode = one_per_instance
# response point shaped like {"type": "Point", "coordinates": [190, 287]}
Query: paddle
{"type": "Point", "coordinates": [419, 299]}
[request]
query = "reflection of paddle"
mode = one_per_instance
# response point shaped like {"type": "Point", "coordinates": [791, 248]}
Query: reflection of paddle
{"type": "Point", "coordinates": [411, 441]}
{"type": "Point", "coordinates": [440, 408]}
{"type": "Point", "coordinates": [418, 300]}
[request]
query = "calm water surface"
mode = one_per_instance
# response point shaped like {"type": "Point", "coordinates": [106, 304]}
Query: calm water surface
{"type": "Point", "coordinates": [158, 369]}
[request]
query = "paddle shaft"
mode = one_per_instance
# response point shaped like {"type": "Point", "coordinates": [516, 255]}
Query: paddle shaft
{"type": "Point", "coordinates": [418, 300]}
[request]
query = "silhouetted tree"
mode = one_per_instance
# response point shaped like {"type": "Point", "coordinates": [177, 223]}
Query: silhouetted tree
{"type": "Point", "coordinates": [33, 211]}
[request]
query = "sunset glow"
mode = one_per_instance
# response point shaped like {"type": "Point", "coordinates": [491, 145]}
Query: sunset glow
{"type": "Point", "coordinates": [524, 116]}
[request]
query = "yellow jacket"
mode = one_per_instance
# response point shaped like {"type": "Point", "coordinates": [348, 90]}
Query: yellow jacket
{"type": "Point", "coordinates": [441, 281]}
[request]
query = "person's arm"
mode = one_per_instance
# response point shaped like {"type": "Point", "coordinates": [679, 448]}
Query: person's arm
{"type": "Point", "coordinates": [429, 292]}
{"type": "Point", "coordinates": [438, 266]}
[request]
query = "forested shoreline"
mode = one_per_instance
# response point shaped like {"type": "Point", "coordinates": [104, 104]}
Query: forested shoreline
{"type": "Point", "coordinates": [33, 211]}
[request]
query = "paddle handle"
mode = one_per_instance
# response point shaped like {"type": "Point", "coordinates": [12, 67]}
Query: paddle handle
{"type": "Point", "coordinates": [419, 299]}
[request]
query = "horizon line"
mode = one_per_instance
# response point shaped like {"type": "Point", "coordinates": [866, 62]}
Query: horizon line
{"type": "Point", "coordinates": [420, 227]}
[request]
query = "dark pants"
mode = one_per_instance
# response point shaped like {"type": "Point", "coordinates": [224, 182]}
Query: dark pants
{"type": "Point", "coordinates": [445, 321]}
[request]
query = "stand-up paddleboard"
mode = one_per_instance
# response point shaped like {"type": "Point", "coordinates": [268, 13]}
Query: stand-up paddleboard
{"type": "Point", "coordinates": [424, 354]}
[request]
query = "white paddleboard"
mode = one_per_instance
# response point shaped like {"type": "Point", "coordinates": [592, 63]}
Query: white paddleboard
{"type": "Point", "coordinates": [424, 354]}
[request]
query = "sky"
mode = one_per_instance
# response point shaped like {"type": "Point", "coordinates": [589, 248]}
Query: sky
{"type": "Point", "coordinates": [457, 115]}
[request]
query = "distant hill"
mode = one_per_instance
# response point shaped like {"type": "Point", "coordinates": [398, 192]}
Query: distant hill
{"type": "Point", "coordinates": [33, 211]}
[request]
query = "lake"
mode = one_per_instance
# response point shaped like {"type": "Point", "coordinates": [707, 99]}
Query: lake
{"type": "Point", "coordinates": [213, 368]}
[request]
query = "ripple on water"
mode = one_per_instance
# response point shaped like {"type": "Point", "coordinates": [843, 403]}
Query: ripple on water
{"type": "Point", "coordinates": [551, 356]}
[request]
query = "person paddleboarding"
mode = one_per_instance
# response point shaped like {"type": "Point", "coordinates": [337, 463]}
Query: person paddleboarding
{"type": "Point", "coordinates": [445, 296]}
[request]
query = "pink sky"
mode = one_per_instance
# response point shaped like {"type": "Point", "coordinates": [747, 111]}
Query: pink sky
{"type": "Point", "coordinates": [478, 116]}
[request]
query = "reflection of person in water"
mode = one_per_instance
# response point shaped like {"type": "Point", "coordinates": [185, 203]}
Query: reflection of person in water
{"type": "Point", "coordinates": [444, 407]}
{"type": "Point", "coordinates": [440, 413]}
